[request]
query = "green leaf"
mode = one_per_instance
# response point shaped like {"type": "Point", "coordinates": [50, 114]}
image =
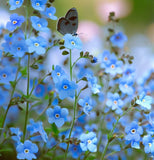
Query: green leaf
{"type": "Point", "coordinates": [13, 83]}
{"type": "Point", "coordinates": [23, 71]}
{"type": "Point", "coordinates": [55, 129]}
{"type": "Point", "coordinates": [81, 54]}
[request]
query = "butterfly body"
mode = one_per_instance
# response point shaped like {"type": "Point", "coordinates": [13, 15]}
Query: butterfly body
{"type": "Point", "coordinates": [69, 23]}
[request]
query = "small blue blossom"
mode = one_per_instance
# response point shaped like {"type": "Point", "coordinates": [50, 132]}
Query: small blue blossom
{"type": "Point", "coordinates": [39, 90]}
{"type": "Point", "coordinates": [84, 72]}
{"type": "Point", "coordinates": [126, 86]}
{"type": "Point", "coordinates": [92, 81]}
{"type": "Point", "coordinates": [72, 42]}
{"type": "Point", "coordinates": [133, 132]}
{"type": "Point", "coordinates": [88, 142]}
{"type": "Point", "coordinates": [15, 4]}
{"type": "Point", "coordinates": [145, 101]}
{"type": "Point", "coordinates": [66, 88]}
{"type": "Point", "coordinates": [114, 66]}
{"type": "Point", "coordinates": [114, 102]}
{"type": "Point", "coordinates": [15, 21]}
{"type": "Point", "coordinates": [37, 127]}
{"type": "Point", "coordinates": [75, 150]}
{"type": "Point", "coordinates": [39, 4]}
{"type": "Point", "coordinates": [51, 143]}
{"type": "Point", "coordinates": [105, 58]}
{"type": "Point", "coordinates": [37, 45]}
{"type": "Point", "coordinates": [19, 49]}
{"type": "Point", "coordinates": [27, 150]}
{"type": "Point", "coordinates": [118, 40]}
{"type": "Point", "coordinates": [1, 52]}
{"type": "Point", "coordinates": [58, 74]}
{"type": "Point", "coordinates": [87, 104]}
{"type": "Point", "coordinates": [39, 24]}
{"type": "Point", "coordinates": [16, 134]}
{"type": "Point", "coordinates": [57, 115]}
{"type": "Point", "coordinates": [49, 12]}
{"type": "Point", "coordinates": [148, 143]}
{"type": "Point", "coordinates": [7, 74]}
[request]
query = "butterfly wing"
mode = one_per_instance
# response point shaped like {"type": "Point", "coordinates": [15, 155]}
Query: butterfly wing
{"type": "Point", "coordinates": [72, 17]}
{"type": "Point", "coordinates": [63, 26]}
{"type": "Point", "coordinates": [69, 23]}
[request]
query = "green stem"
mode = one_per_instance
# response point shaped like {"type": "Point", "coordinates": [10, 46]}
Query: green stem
{"type": "Point", "coordinates": [27, 104]}
{"type": "Point", "coordinates": [12, 93]}
{"type": "Point", "coordinates": [72, 125]}
{"type": "Point", "coordinates": [71, 64]}
{"type": "Point", "coordinates": [111, 133]}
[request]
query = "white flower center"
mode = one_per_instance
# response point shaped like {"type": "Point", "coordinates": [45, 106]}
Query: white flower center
{"type": "Point", "coordinates": [37, 4]}
{"type": "Point", "coordinates": [57, 115]}
{"type": "Point", "coordinates": [58, 74]}
{"type": "Point", "coordinates": [72, 42]}
{"type": "Point", "coordinates": [39, 25]}
{"type": "Point", "coordinates": [65, 86]}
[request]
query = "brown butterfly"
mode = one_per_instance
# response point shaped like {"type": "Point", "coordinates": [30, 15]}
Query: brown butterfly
{"type": "Point", "coordinates": [69, 23]}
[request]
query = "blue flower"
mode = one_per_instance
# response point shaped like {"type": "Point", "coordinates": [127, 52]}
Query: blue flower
{"type": "Point", "coordinates": [27, 150]}
{"type": "Point", "coordinates": [114, 102]}
{"type": "Point", "coordinates": [51, 143]}
{"type": "Point", "coordinates": [57, 115]}
{"type": "Point", "coordinates": [40, 24]}
{"type": "Point", "coordinates": [37, 127]}
{"type": "Point", "coordinates": [15, 4]}
{"type": "Point", "coordinates": [88, 142]}
{"type": "Point", "coordinates": [7, 74]}
{"type": "Point", "coordinates": [92, 81]}
{"type": "Point", "coordinates": [39, 4]}
{"type": "Point", "coordinates": [16, 134]}
{"type": "Point", "coordinates": [114, 66]}
{"type": "Point", "coordinates": [105, 58]}
{"type": "Point", "coordinates": [37, 45]}
{"type": "Point", "coordinates": [66, 88]}
{"type": "Point", "coordinates": [58, 74]}
{"type": "Point", "coordinates": [19, 49]}
{"type": "Point", "coordinates": [49, 12]}
{"type": "Point", "coordinates": [118, 40]}
{"type": "Point", "coordinates": [39, 90]}
{"type": "Point", "coordinates": [72, 42]}
{"type": "Point", "coordinates": [1, 52]}
{"type": "Point", "coordinates": [87, 104]}
{"type": "Point", "coordinates": [145, 101]}
{"type": "Point", "coordinates": [148, 143]}
{"type": "Point", "coordinates": [126, 86]}
{"type": "Point", "coordinates": [15, 21]}
{"type": "Point", "coordinates": [133, 132]}
{"type": "Point", "coordinates": [8, 44]}
{"type": "Point", "coordinates": [75, 150]}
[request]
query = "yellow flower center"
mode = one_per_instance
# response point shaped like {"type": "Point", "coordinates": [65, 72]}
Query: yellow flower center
{"type": "Point", "coordinates": [105, 59]}
{"type": "Point", "coordinates": [49, 14]}
{"type": "Point", "coordinates": [133, 130]}
{"type": "Point", "coordinates": [126, 86]}
{"type": "Point", "coordinates": [115, 102]}
{"type": "Point", "coordinates": [36, 44]}
{"type": "Point", "coordinates": [86, 104]}
{"type": "Point", "coordinates": [150, 144]}
{"type": "Point", "coordinates": [37, 4]}
{"type": "Point", "coordinates": [26, 150]}
{"type": "Point", "coordinates": [39, 25]}
{"type": "Point", "coordinates": [72, 42]}
{"type": "Point", "coordinates": [143, 100]}
{"type": "Point", "coordinates": [17, 2]}
{"type": "Point", "coordinates": [14, 22]}
{"type": "Point", "coordinates": [58, 74]}
{"type": "Point", "coordinates": [112, 66]}
{"type": "Point", "coordinates": [89, 141]}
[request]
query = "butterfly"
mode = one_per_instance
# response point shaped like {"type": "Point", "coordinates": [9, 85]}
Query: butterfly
{"type": "Point", "coordinates": [69, 23]}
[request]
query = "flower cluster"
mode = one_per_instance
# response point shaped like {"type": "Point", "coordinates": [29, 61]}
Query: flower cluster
{"type": "Point", "coordinates": [84, 107]}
